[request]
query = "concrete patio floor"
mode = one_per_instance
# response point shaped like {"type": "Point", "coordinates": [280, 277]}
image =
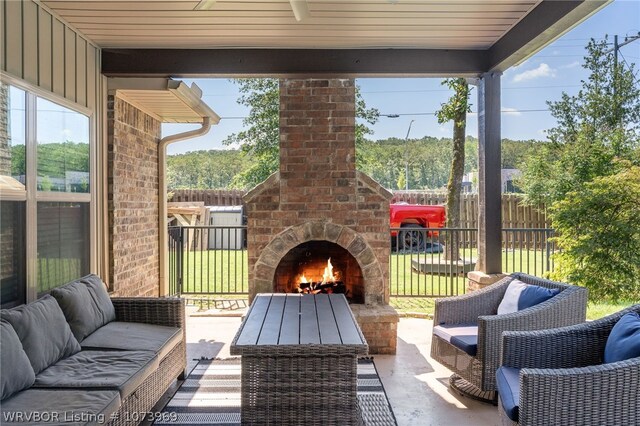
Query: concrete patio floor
{"type": "Point", "coordinates": [416, 385]}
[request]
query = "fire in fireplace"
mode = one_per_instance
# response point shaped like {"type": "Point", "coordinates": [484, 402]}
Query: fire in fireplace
{"type": "Point", "coordinates": [328, 284]}
{"type": "Point", "coordinates": [320, 267]}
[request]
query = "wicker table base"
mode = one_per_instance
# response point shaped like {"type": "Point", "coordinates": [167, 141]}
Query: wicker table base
{"type": "Point", "coordinates": [300, 390]}
{"type": "Point", "coordinates": [299, 357]}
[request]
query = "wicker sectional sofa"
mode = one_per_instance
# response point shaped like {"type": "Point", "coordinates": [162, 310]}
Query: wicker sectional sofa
{"type": "Point", "coordinates": [79, 357]}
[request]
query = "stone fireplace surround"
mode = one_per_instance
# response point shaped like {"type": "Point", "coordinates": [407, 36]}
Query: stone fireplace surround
{"type": "Point", "coordinates": [318, 195]}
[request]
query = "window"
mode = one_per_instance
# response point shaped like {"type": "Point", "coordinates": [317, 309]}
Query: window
{"type": "Point", "coordinates": [13, 128]}
{"type": "Point", "coordinates": [12, 247]}
{"type": "Point", "coordinates": [63, 246]}
{"type": "Point", "coordinates": [45, 195]}
{"type": "Point", "coordinates": [63, 149]}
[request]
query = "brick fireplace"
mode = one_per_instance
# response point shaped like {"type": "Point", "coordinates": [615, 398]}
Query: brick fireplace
{"type": "Point", "coordinates": [318, 206]}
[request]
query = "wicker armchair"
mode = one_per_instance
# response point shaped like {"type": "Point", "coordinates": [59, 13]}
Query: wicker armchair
{"type": "Point", "coordinates": [563, 380]}
{"type": "Point", "coordinates": [475, 376]}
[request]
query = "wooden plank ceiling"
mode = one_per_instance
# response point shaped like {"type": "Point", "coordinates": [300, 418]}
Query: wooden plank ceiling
{"type": "Point", "coordinates": [427, 24]}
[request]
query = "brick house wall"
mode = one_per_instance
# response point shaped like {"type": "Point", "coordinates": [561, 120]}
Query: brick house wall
{"type": "Point", "coordinates": [133, 199]}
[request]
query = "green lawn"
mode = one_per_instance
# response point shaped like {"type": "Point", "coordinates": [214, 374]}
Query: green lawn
{"type": "Point", "coordinates": [405, 281]}
{"type": "Point", "coordinates": [215, 271]}
{"type": "Point", "coordinates": [225, 271]}
{"type": "Point", "coordinates": [602, 309]}
{"type": "Point", "coordinates": [424, 305]}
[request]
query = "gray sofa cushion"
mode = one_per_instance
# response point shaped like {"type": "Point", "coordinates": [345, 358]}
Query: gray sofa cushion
{"type": "Point", "coordinates": [16, 373]}
{"type": "Point", "coordinates": [86, 305]}
{"type": "Point", "coordinates": [99, 291]}
{"type": "Point", "coordinates": [118, 370]}
{"type": "Point", "coordinates": [134, 336]}
{"type": "Point", "coordinates": [43, 332]}
{"type": "Point", "coordinates": [61, 406]}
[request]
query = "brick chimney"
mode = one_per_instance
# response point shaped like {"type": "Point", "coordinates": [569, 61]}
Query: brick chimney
{"type": "Point", "coordinates": [318, 195]}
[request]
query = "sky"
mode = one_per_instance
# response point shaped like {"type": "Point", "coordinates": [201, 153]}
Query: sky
{"type": "Point", "coordinates": [525, 89]}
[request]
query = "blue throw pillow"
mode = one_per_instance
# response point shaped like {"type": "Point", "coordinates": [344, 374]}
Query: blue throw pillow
{"type": "Point", "coordinates": [521, 296]}
{"type": "Point", "coordinates": [624, 339]}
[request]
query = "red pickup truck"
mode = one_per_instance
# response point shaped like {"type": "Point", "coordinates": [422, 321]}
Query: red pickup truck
{"type": "Point", "coordinates": [413, 219]}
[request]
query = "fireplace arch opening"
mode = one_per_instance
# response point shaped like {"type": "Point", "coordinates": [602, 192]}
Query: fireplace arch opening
{"type": "Point", "coordinates": [320, 267]}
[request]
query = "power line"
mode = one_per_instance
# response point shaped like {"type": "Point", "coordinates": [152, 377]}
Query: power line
{"type": "Point", "coordinates": [625, 61]}
{"type": "Point", "coordinates": [558, 56]}
{"type": "Point", "coordinates": [554, 46]}
{"type": "Point", "coordinates": [504, 111]}
{"type": "Point", "coordinates": [577, 39]}
{"type": "Point", "coordinates": [446, 90]}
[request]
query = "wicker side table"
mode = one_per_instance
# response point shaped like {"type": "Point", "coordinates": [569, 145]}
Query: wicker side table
{"type": "Point", "coordinates": [299, 360]}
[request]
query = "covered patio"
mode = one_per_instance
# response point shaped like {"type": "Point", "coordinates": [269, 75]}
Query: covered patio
{"type": "Point", "coordinates": [117, 65]}
{"type": "Point", "coordinates": [89, 53]}
{"type": "Point", "coordinates": [416, 385]}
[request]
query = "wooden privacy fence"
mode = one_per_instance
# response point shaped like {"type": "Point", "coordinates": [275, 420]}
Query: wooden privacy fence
{"type": "Point", "coordinates": [515, 215]}
{"type": "Point", "coordinates": [210, 197]}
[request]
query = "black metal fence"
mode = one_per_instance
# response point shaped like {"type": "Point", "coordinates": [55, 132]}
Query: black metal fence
{"type": "Point", "coordinates": [208, 260]}
{"type": "Point", "coordinates": [434, 262]}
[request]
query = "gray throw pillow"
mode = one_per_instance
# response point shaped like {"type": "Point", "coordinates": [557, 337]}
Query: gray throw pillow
{"type": "Point", "coordinates": [16, 372]}
{"type": "Point", "coordinates": [43, 332]}
{"type": "Point", "coordinates": [86, 305]}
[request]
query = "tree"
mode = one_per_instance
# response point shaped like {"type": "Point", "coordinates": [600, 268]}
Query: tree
{"type": "Point", "coordinates": [597, 125]}
{"type": "Point", "coordinates": [599, 232]}
{"type": "Point", "coordinates": [261, 140]}
{"type": "Point", "coordinates": [401, 183]}
{"type": "Point", "coordinates": [455, 109]}
{"type": "Point", "coordinates": [382, 160]}
{"type": "Point", "coordinates": [212, 169]}
{"type": "Point", "coordinates": [588, 176]}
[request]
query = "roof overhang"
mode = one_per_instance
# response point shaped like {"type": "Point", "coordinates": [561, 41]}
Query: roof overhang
{"type": "Point", "coordinates": [543, 24]}
{"type": "Point", "coordinates": [169, 101]}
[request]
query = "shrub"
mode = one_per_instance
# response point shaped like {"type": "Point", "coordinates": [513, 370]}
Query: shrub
{"type": "Point", "coordinates": [599, 235]}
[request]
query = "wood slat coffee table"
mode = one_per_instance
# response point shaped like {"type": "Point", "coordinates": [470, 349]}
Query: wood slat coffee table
{"type": "Point", "coordinates": [299, 360]}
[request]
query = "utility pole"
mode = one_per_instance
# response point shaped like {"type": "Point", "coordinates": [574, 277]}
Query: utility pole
{"type": "Point", "coordinates": [617, 46]}
{"type": "Point", "coordinates": [615, 50]}
{"type": "Point", "coordinates": [406, 157]}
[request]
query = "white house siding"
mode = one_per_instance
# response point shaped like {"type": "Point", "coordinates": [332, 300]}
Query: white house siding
{"type": "Point", "coordinates": [41, 49]}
